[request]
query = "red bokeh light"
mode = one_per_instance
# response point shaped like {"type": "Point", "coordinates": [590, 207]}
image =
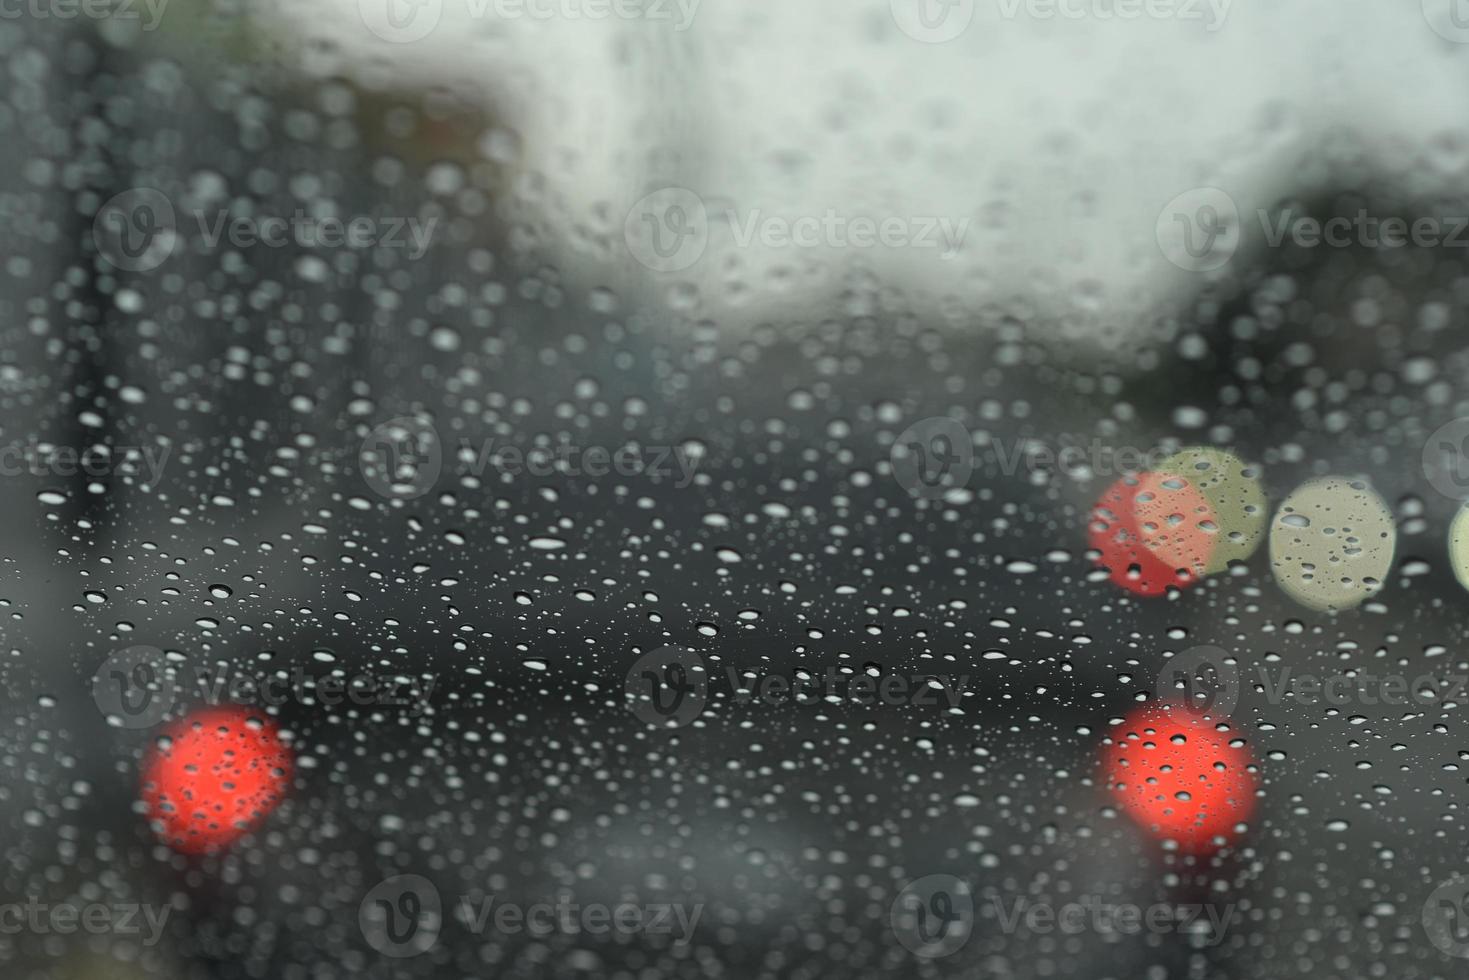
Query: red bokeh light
{"type": "Point", "coordinates": [213, 776]}
{"type": "Point", "coordinates": [1178, 777]}
{"type": "Point", "coordinates": [1153, 530]}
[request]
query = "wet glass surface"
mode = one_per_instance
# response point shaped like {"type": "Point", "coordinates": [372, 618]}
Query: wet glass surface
{"type": "Point", "coordinates": [675, 490]}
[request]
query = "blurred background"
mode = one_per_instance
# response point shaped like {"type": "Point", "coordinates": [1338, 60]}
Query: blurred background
{"type": "Point", "coordinates": [759, 243]}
